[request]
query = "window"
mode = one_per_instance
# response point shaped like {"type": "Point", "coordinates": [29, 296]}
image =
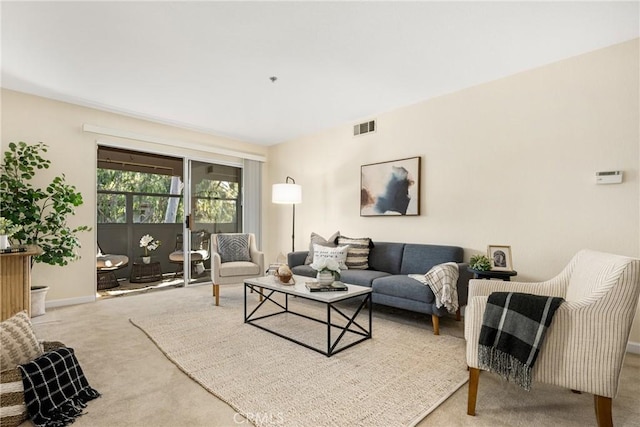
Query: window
{"type": "Point", "coordinates": [146, 197]}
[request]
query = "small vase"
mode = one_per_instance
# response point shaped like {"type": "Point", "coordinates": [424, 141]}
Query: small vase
{"type": "Point", "coordinates": [324, 277]}
{"type": "Point", "coordinates": [146, 259]}
{"type": "Point", "coordinates": [4, 241]}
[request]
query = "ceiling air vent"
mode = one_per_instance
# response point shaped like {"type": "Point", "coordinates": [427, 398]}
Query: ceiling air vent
{"type": "Point", "coordinates": [363, 128]}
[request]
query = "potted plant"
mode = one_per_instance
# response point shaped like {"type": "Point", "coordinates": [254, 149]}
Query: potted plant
{"type": "Point", "coordinates": [480, 263]}
{"type": "Point", "coordinates": [149, 244]}
{"type": "Point", "coordinates": [42, 212]}
{"type": "Point", "coordinates": [328, 270]}
{"type": "Point", "coordinates": [7, 229]}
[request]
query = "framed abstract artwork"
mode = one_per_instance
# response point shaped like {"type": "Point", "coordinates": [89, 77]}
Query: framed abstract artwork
{"type": "Point", "coordinates": [390, 188]}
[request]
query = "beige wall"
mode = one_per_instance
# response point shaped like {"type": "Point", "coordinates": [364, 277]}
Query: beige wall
{"type": "Point", "coordinates": [73, 152]}
{"type": "Point", "coordinates": [509, 162]}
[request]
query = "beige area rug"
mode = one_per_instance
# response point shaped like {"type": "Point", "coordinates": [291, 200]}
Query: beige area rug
{"type": "Point", "coordinates": [394, 379]}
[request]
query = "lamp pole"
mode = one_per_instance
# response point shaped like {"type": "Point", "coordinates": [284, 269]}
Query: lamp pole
{"type": "Point", "coordinates": [285, 193]}
{"type": "Point", "coordinates": [293, 227]}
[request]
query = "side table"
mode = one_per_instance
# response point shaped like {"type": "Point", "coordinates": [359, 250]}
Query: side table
{"type": "Point", "coordinates": [493, 274]}
{"type": "Point", "coordinates": [143, 273]}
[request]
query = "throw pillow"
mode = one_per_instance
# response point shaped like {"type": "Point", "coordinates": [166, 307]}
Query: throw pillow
{"type": "Point", "coordinates": [13, 411]}
{"type": "Point", "coordinates": [234, 247]}
{"type": "Point", "coordinates": [339, 253]}
{"type": "Point", "coordinates": [317, 239]}
{"type": "Point", "coordinates": [358, 256]}
{"type": "Point", "coordinates": [18, 342]}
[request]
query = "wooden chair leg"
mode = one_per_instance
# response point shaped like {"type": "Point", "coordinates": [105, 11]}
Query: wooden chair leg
{"type": "Point", "coordinates": [436, 324]}
{"type": "Point", "coordinates": [602, 405]}
{"type": "Point", "coordinates": [213, 290]}
{"type": "Point", "coordinates": [474, 379]}
{"type": "Point", "coordinates": [216, 290]}
{"type": "Point", "coordinates": [458, 316]}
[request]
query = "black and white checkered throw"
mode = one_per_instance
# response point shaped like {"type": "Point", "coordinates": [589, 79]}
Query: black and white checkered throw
{"type": "Point", "coordinates": [55, 388]}
{"type": "Point", "coordinates": [512, 333]}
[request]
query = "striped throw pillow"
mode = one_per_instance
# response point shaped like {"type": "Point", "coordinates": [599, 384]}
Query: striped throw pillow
{"type": "Point", "coordinates": [358, 255]}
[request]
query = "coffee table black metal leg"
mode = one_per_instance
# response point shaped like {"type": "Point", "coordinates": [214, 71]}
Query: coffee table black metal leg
{"type": "Point", "coordinates": [329, 349]}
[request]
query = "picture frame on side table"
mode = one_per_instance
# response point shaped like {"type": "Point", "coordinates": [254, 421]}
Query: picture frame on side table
{"type": "Point", "coordinates": [390, 188]}
{"type": "Point", "coordinates": [500, 257]}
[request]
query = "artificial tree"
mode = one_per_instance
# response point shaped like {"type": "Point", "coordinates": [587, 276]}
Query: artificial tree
{"type": "Point", "coordinates": [42, 212]}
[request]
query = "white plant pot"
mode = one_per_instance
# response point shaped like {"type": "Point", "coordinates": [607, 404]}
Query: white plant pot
{"type": "Point", "coordinates": [146, 259]}
{"type": "Point", "coordinates": [4, 241]}
{"type": "Point", "coordinates": [324, 277]}
{"type": "Point", "coordinates": [38, 296]}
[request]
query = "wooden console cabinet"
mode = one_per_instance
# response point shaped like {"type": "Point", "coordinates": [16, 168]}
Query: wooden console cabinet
{"type": "Point", "coordinates": [15, 282]}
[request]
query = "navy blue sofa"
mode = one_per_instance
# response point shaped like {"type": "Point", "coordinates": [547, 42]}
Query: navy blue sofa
{"type": "Point", "coordinates": [389, 266]}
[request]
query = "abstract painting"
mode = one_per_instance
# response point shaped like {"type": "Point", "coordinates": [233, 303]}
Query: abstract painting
{"type": "Point", "coordinates": [390, 188]}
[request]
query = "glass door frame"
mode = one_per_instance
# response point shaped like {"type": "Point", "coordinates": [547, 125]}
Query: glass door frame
{"type": "Point", "coordinates": [190, 223]}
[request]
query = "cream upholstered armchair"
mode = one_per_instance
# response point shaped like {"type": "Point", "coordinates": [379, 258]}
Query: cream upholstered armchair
{"type": "Point", "coordinates": [585, 345]}
{"type": "Point", "coordinates": [234, 257]}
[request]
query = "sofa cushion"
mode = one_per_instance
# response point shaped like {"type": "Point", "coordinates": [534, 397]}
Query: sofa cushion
{"type": "Point", "coordinates": [319, 240]}
{"type": "Point", "coordinates": [387, 257]}
{"type": "Point", "coordinates": [402, 286]}
{"type": "Point", "coordinates": [352, 277]}
{"type": "Point", "coordinates": [339, 253]}
{"type": "Point", "coordinates": [233, 247]}
{"type": "Point", "coordinates": [304, 270]}
{"type": "Point", "coordinates": [18, 342]}
{"type": "Point", "coordinates": [418, 258]}
{"type": "Point", "coordinates": [358, 254]}
{"type": "Point", "coordinates": [361, 277]}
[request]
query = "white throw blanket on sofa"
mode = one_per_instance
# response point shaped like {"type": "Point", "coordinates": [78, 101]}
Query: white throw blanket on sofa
{"type": "Point", "coordinates": [442, 279]}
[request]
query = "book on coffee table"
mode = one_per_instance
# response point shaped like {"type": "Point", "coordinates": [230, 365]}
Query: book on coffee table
{"type": "Point", "coordinates": [317, 287]}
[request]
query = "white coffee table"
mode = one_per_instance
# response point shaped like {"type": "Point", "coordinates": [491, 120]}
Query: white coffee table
{"type": "Point", "coordinates": [267, 287]}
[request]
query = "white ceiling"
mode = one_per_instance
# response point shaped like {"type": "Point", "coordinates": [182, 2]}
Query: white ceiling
{"type": "Point", "coordinates": [206, 65]}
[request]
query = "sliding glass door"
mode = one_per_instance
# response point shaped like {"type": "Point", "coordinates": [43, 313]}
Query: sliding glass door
{"type": "Point", "coordinates": [213, 205]}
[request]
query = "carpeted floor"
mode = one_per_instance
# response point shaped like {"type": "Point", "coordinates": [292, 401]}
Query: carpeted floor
{"type": "Point", "coordinates": [385, 381]}
{"type": "Point", "coordinates": [141, 387]}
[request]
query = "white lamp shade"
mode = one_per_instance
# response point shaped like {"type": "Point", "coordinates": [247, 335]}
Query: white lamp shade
{"type": "Point", "coordinates": [286, 193]}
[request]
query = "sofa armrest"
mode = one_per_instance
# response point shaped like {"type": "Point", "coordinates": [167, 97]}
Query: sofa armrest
{"type": "Point", "coordinates": [296, 258]}
{"type": "Point", "coordinates": [464, 276]}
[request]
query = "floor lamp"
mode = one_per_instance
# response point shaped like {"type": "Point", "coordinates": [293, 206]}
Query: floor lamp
{"type": "Point", "coordinates": [286, 193]}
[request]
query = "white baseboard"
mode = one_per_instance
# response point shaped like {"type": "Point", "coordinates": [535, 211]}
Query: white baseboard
{"type": "Point", "coordinates": [69, 301]}
{"type": "Point", "coordinates": [633, 347]}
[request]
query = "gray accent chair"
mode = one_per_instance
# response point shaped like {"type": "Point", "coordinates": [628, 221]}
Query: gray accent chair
{"type": "Point", "coordinates": [226, 273]}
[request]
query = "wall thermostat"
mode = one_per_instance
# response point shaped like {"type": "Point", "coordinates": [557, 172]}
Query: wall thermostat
{"type": "Point", "coordinates": [609, 177]}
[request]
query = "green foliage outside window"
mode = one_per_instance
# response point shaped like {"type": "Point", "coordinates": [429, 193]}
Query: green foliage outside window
{"type": "Point", "coordinates": [151, 202]}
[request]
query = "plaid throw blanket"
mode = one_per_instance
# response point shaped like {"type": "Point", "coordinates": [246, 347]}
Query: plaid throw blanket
{"type": "Point", "coordinates": [55, 388]}
{"type": "Point", "coordinates": [512, 333]}
{"type": "Point", "coordinates": [442, 279]}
